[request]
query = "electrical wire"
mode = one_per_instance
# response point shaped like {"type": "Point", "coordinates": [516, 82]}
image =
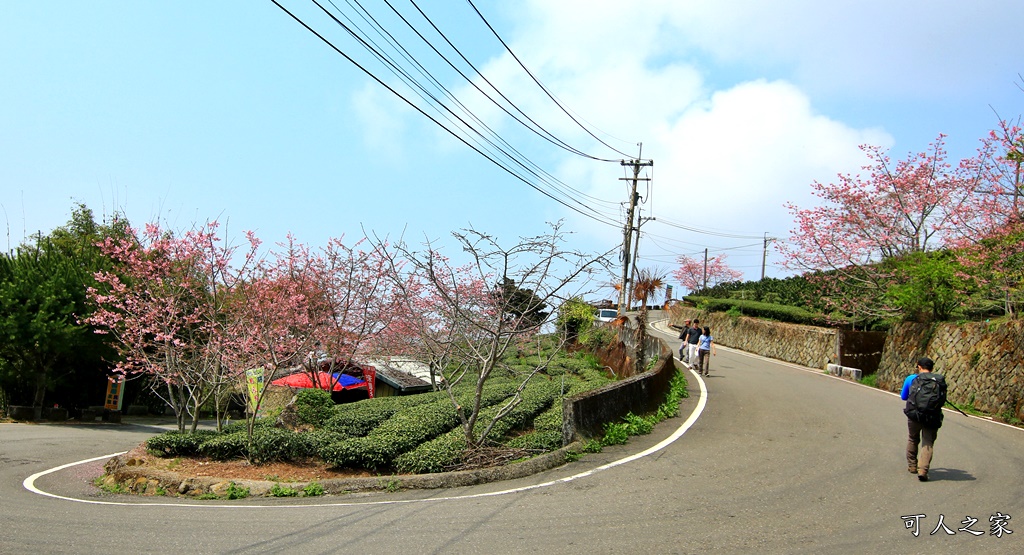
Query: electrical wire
{"type": "Point", "coordinates": [589, 213]}
{"type": "Point", "coordinates": [539, 84]}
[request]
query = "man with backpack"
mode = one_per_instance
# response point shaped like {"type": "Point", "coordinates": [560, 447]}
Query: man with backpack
{"type": "Point", "coordinates": [925, 394]}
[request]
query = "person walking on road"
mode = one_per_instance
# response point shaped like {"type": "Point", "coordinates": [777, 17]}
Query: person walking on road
{"type": "Point", "coordinates": [683, 334]}
{"type": "Point", "coordinates": [692, 337]}
{"type": "Point", "coordinates": [925, 394]}
{"type": "Point", "coordinates": [705, 349]}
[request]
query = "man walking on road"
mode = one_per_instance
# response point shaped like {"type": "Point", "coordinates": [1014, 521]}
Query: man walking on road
{"type": "Point", "coordinates": [925, 394]}
{"type": "Point", "coordinates": [692, 338]}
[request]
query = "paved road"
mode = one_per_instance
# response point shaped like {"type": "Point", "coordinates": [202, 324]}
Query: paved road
{"type": "Point", "coordinates": [782, 460]}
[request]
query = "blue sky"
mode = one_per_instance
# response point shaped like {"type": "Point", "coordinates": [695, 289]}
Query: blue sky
{"type": "Point", "coordinates": [191, 111]}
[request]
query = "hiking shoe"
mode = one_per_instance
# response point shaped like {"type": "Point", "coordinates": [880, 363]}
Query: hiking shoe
{"type": "Point", "coordinates": [912, 468]}
{"type": "Point", "coordinates": [922, 476]}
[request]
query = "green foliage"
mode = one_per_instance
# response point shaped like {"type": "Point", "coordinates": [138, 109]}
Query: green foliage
{"type": "Point", "coordinates": [597, 337]}
{"type": "Point", "coordinates": [234, 491]}
{"type": "Point", "coordinates": [615, 433]}
{"type": "Point", "coordinates": [575, 317]}
{"type": "Point", "coordinates": [179, 444]}
{"type": "Point", "coordinates": [639, 425]}
{"type": "Point", "coordinates": [314, 406]}
{"type": "Point", "coordinates": [267, 445]}
{"type": "Point", "coordinates": [402, 432]}
{"type": "Point", "coordinates": [926, 286]}
{"type": "Point", "coordinates": [520, 305]}
{"type": "Point", "coordinates": [734, 312]}
{"type": "Point", "coordinates": [277, 490]}
{"type": "Point", "coordinates": [358, 419]}
{"type": "Point", "coordinates": [676, 393]}
{"type": "Point", "coordinates": [313, 489]}
{"type": "Point", "coordinates": [446, 450]}
{"type": "Point", "coordinates": [43, 298]}
{"type": "Point", "coordinates": [537, 440]}
{"type": "Point", "coordinates": [782, 313]}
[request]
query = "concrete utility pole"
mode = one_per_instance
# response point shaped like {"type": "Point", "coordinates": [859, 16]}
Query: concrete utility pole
{"type": "Point", "coordinates": [764, 254]}
{"type": "Point", "coordinates": [636, 254]}
{"type": "Point", "coordinates": [628, 228]}
{"type": "Point", "coordinates": [705, 268]}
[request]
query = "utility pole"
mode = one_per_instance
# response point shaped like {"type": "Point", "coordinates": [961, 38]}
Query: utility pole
{"type": "Point", "coordinates": [705, 268]}
{"type": "Point", "coordinates": [764, 255]}
{"type": "Point", "coordinates": [636, 255]}
{"type": "Point", "coordinates": [627, 230]}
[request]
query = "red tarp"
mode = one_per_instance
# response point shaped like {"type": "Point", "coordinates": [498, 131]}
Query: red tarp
{"type": "Point", "coordinates": [324, 381]}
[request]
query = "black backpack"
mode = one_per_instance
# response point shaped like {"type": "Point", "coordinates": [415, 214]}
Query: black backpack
{"type": "Point", "coordinates": [926, 398]}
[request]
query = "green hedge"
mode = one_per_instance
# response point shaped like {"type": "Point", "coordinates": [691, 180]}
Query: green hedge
{"type": "Point", "coordinates": [358, 419]}
{"type": "Point", "coordinates": [402, 432]}
{"type": "Point", "coordinates": [446, 450]}
{"type": "Point", "coordinates": [782, 313]}
{"type": "Point", "coordinates": [178, 444]}
{"type": "Point", "coordinates": [314, 406]}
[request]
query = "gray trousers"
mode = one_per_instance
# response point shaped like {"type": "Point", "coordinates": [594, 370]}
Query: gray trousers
{"type": "Point", "coordinates": [926, 438]}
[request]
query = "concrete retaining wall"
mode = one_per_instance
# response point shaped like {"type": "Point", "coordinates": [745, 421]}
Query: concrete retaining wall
{"type": "Point", "coordinates": [584, 415]}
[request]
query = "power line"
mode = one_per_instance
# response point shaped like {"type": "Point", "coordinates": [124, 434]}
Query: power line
{"type": "Point", "coordinates": [539, 84]}
{"type": "Point", "coordinates": [574, 205]}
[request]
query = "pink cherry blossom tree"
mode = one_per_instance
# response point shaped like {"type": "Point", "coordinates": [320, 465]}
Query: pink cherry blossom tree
{"type": "Point", "coordinates": [892, 209]}
{"type": "Point", "coordinates": [164, 307]}
{"type": "Point", "coordinates": [693, 273]}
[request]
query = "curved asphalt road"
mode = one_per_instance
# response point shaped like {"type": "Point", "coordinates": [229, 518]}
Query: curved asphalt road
{"type": "Point", "coordinates": [782, 460]}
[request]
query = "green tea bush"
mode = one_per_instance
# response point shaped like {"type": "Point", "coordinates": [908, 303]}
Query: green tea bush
{"type": "Point", "coordinates": [446, 450]}
{"type": "Point", "coordinates": [177, 444]}
{"type": "Point", "coordinates": [225, 446]}
{"type": "Point", "coordinates": [538, 440]}
{"type": "Point", "coordinates": [435, 455]}
{"type": "Point", "coordinates": [358, 419]}
{"type": "Point", "coordinates": [400, 433]}
{"type": "Point", "coordinates": [314, 406]}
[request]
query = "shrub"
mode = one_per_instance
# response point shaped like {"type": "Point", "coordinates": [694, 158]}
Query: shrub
{"type": "Point", "coordinates": [615, 433]}
{"type": "Point", "coordinates": [314, 406]}
{"type": "Point", "coordinates": [178, 444]}
{"type": "Point", "coordinates": [267, 445]}
{"type": "Point", "coordinates": [225, 446]}
{"type": "Point", "coordinates": [279, 491]}
{"type": "Point", "coordinates": [313, 489]}
{"type": "Point", "coordinates": [358, 419]}
{"type": "Point", "coordinates": [547, 440]}
{"type": "Point", "coordinates": [402, 432]}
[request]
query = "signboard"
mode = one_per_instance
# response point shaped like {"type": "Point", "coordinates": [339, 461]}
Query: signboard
{"type": "Point", "coordinates": [115, 393]}
{"type": "Point", "coordinates": [254, 384]}
{"type": "Point", "coordinates": [370, 375]}
{"type": "Point", "coordinates": [668, 293]}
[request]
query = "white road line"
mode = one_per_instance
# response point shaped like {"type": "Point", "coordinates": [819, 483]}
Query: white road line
{"type": "Point", "coordinates": [29, 482]}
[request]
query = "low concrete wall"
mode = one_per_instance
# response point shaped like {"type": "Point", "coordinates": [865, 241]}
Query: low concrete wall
{"type": "Point", "coordinates": [584, 415]}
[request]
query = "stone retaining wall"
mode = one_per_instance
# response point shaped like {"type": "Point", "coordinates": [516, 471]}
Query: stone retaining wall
{"type": "Point", "coordinates": [804, 345]}
{"type": "Point", "coordinates": [983, 364]}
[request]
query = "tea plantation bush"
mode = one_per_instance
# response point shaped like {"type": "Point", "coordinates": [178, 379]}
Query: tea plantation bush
{"type": "Point", "coordinates": [178, 444]}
